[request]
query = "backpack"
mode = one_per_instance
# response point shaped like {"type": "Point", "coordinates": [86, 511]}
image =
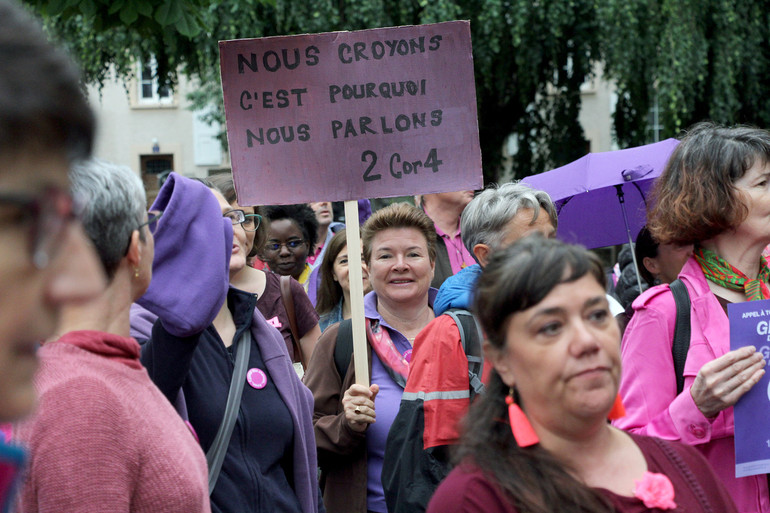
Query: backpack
{"type": "Point", "coordinates": [681, 343]}
{"type": "Point", "coordinates": [470, 337]}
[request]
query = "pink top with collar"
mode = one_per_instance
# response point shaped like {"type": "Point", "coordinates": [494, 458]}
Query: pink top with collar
{"type": "Point", "coordinates": [648, 386]}
{"type": "Point", "coordinates": [459, 257]}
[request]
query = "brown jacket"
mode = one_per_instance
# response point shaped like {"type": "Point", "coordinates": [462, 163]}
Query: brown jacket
{"type": "Point", "coordinates": [341, 450]}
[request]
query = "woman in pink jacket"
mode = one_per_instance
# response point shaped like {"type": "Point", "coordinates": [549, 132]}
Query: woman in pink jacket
{"type": "Point", "coordinates": [715, 193]}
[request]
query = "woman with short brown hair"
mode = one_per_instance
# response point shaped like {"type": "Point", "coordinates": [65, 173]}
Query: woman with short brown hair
{"type": "Point", "coordinates": [715, 193]}
{"type": "Point", "coordinates": [350, 430]}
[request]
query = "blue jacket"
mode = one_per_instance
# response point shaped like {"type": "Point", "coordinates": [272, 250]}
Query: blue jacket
{"type": "Point", "coordinates": [457, 290]}
{"type": "Point", "coordinates": [332, 317]}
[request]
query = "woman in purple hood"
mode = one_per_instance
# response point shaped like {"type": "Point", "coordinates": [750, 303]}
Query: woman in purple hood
{"type": "Point", "coordinates": [203, 331]}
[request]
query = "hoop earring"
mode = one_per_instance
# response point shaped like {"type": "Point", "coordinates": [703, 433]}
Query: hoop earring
{"type": "Point", "coordinates": [618, 410]}
{"type": "Point", "coordinates": [520, 425]}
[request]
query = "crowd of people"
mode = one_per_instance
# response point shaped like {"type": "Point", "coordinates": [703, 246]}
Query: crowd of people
{"type": "Point", "coordinates": [196, 355]}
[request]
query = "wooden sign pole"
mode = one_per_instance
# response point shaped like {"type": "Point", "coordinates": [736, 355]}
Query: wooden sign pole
{"type": "Point", "coordinates": [355, 275]}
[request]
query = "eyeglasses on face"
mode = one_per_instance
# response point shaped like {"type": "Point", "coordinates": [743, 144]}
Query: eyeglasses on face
{"type": "Point", "coordinates": [153, 218]}
{"type": "Point", "coordinates": [291, 245]}
{"type": "Point", "coordinates": [49, 213]}
{"type": "Point", "coordinates": [249, 222]}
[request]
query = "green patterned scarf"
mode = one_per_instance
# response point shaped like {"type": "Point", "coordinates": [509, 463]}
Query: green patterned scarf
{"type": "Point", "coordinates": [719, 271]}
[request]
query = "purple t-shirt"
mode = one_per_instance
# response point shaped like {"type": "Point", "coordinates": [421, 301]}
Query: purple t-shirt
{"type": "Point", "coordinates": [386, 405]}
{"type": "Point", "coordinates": [271, 306]}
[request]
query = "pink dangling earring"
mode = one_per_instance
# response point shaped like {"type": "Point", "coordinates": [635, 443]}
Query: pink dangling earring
{"type": "Point", "coordinates": [520, 426]}
{"type": "Point", "coordinates": [618, 410]}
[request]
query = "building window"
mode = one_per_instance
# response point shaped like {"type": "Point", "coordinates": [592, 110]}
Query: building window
{"type": "Point", "coordinates": [148, 91]}
{"type": "Point", "coordinates": [155, 169]}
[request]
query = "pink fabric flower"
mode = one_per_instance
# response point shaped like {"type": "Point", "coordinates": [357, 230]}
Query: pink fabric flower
{"type": "Point", "coordinates": [655, 490]}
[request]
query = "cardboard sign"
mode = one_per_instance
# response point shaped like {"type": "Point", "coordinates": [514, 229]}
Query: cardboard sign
{"type": "Point", "coordinates": [350, 115]}
{"type": "Point", "coordinates": [750, 326]}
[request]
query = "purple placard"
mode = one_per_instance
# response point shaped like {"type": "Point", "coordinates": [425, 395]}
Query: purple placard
{"type": "Point", "coordinates": [750, 326]}
{"type": "Point", "coordinates": [349, 115]}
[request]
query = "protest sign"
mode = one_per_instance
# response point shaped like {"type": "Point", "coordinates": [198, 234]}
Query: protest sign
{"type": "Point", "coordinates": [750, 325]}
{"type": "Point", "coordinates": [350, 115]}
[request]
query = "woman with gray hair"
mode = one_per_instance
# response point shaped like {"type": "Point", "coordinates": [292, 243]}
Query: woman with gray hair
{"type": "Point", "coordinates": [95, 393]}
{"type": "Point", "coordinates": [416, 454]}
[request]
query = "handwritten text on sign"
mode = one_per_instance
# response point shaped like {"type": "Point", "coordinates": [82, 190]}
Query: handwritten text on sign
{"type": "Point", "coordinates": [350, 115]}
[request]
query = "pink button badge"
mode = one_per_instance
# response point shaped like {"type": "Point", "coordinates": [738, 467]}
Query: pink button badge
{"type": "Point", "coordinates": [256, 378]}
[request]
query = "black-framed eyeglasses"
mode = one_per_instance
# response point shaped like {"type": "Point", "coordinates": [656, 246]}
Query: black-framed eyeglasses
{"type": "Point", "coordinates": [153, 216]}
{"type": "Point", "coordinates": [50, 212]}
{"type": "Point", "coordinates": [292, 245]}
{"type": "Point", "coordinates": [249, 222]}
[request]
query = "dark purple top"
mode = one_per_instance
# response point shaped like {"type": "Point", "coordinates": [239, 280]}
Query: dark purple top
{"type": "Point", "coordinates": [271, 307]}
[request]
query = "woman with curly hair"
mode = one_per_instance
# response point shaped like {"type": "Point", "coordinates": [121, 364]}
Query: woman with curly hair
{"type": "Point", "coordinates": [291, 239]}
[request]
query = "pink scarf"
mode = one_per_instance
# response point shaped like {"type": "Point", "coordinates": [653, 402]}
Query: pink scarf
{"type": "Point", "coordinates": [394, 362]}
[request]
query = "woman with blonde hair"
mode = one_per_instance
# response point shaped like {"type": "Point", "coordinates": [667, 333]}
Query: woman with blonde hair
{"type": "Point", "coordinates": [271, 300]}
{"type": "Point", "coordinates": [400, 253]}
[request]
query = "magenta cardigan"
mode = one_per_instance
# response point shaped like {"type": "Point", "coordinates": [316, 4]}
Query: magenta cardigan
{"type": "Point", "coordinates": [648, 386]}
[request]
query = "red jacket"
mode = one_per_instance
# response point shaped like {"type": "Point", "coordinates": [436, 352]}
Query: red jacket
{"type": "Point", "coordinates": [435, 399]}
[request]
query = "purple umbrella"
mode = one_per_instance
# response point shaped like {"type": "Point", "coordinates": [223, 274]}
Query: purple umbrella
{"type": "Point", "coordinates": [601, 198]}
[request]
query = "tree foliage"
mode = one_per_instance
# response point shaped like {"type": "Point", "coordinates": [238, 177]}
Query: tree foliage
{"type": "Point", "coordinates": [697, 59]}
{"type": "Point", "coordinates": [530, 56]}
{"type": "Point", "coordinates": [694, 59]}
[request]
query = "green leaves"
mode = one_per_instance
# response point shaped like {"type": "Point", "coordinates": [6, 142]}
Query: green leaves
{"type": "Point", "coordinates": [694, 59]}
{"type": "Point", "coordinates": [701, 59]}
{"type": "Point", "coordinates": [129, 14]}
{"type": "Point", "coordinates": [169, 12]}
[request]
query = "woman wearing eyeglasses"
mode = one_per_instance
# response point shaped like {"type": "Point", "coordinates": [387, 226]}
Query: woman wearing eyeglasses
{"type": "Point", "coordinates": [209, 342]}
{"type": "Point", "coordinates": [104, 438]}
{"type": "Point", "coordinates": [293, 230]}
{"type": "Point", "coordinates": [267, 285]}
{"type": "Point", "coordinates": [46, 261]}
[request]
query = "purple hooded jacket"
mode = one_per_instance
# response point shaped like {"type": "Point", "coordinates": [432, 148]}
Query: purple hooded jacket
{"type": "Point", "coordinates": [189, 285]}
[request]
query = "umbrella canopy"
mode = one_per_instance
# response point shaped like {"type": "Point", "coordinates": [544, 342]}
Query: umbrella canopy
{"type": "Point", "coordinates": [595, 194]}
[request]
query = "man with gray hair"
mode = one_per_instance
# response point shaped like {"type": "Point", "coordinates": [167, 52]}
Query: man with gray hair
{"type": "Point", "coordinates": [438, 390]}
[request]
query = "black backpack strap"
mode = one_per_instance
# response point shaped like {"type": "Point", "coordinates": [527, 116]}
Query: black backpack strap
{"type": "Point", "coordinates": [470, 337]}
{"type": "Point", "coordinates": [681, 344]}
{"type": "Point", "coordinates": [216, 453]}
{"type": "Point", "coordinates": [343, 349]}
